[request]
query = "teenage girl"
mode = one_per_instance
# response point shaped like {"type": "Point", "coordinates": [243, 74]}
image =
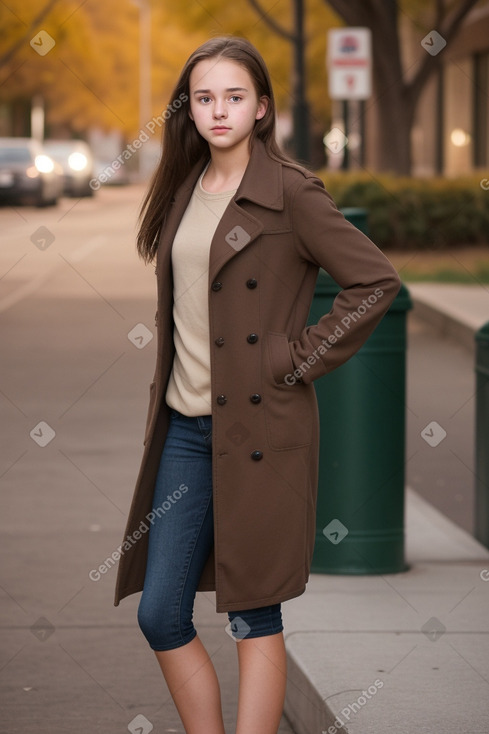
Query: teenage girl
{"type": "Point", "coordinates": [226, 495]}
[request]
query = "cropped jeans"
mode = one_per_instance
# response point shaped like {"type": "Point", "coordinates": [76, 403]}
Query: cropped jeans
{"type": "Point", "coordinates": [181, 537]}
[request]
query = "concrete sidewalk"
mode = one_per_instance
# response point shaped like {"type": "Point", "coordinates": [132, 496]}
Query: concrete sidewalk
{"type": "Point", "coordinates": [69, 661]}
{"type": "Point", "coordinates": [455, 310]}
{"type": "Point", "coordinates": [405, 652]}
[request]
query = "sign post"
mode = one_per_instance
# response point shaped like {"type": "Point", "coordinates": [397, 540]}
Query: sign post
{"type": "Point", "coordinates": [349, 63]}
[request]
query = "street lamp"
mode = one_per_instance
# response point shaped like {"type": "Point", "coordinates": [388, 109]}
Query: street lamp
{"type": "Point", "coordinates": [300, 107]}
{"type": "Point", "coordinates": [145, 102]}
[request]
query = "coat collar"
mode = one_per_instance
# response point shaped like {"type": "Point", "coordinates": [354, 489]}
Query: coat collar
{"type": "Point", "coordinates": [261, 184]}
{"type": "Point", "coordinates": [262, 179]}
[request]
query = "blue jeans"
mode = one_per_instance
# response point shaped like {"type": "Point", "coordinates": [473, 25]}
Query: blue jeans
{"type": "Point", "coordinates": [181, 537]}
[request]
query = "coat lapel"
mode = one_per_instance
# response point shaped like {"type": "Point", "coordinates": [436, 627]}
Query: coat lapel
{"type": "Point", "coordinates": [261, 184]}
{"type": "Point", "coordinates": [174, 217]}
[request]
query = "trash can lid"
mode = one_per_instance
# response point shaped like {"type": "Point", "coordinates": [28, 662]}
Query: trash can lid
{"type": "Point", "coordinates": [482, 335]}
{"type": "Point", "coordinates": [355, 210]}
{"type": "Point", "coordinates": [402, 302]}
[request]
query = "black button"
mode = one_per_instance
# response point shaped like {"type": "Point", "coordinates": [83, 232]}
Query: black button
{"type": "Point", "coordinates": [252, 338]}
{"type": "Point", "coordinates": [221, 399]}
{"type": "Point", "coordinates": [219, 341]}
{"type": "Point", "coordinates": [255, 398]}
{"type": "Point", "coordinates": [257, 455]}
{"type": "Point", "coordinates": [217, 285]}
{"type": "Point", "coordinates": [251, 283]}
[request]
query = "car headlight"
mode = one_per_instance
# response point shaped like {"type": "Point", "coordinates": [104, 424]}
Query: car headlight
{"type": "Point", "coordinates": [44, 164]}
{"type": "Point", "coordinates": [77, 161]}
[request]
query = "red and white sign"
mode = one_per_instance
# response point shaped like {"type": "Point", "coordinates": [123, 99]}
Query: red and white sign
{"type": "Point", "coordinates": [350, 63]}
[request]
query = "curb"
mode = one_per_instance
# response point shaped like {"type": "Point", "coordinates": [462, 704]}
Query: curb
{"type": "Point", "coordinates": [434, 542]}
{"type": "Point", "coordinates": [446, 324]}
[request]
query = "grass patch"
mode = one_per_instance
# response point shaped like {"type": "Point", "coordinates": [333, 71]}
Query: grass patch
{"type": "Point", "coordinates": [445, 275]}
{"type": "Point", "coordinates": [467, 265]}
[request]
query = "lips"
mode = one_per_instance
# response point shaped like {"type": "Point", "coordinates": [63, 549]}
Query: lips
{"type": "Point", "coordinates": [220, 127]}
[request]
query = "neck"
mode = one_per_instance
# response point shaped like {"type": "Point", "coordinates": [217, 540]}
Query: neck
{"type": "Point", "coordinates": [226, 167]}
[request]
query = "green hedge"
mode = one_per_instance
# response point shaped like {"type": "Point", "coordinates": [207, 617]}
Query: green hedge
{"type": "Point", "coordinates": [416, 213]}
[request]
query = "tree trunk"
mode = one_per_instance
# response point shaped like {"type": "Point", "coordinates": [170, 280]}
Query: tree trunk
{"type": "Point", "coordinates": [394, 119]}
{"type": "Point", "coordinates": [394, 111]}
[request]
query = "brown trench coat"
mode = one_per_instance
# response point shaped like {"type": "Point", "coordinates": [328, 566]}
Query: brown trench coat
{"type": "Point", "coordinates": [279, 228]}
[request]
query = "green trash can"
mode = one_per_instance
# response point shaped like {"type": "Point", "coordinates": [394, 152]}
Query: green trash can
{"type": "Point", "coordinates": [357, 216]}
{"type": "Point", "coordinates": [360, 508]}
{"type": "Point", "coordinates": [482, 436]}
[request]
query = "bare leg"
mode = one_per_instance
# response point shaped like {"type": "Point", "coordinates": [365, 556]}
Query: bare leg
{"type": "Point", "coordinates": [194, 687]}
{"type": "Point", "coordinates": [262, 681]}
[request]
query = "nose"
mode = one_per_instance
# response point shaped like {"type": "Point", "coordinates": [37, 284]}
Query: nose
{"type": "Point", "coordinates": [219, 110]}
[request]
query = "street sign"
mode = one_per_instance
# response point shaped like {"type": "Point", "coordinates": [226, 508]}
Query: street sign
{"type": "Point", "coordinates": [349, 63]}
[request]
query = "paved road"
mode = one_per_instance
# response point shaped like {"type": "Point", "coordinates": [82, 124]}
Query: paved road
{"type": "Point", "coordinates": [74, 387]}
{"type": "Point", "coordinates": [71, 662]}
{"type": "Point", "coordinates": [441, 389]}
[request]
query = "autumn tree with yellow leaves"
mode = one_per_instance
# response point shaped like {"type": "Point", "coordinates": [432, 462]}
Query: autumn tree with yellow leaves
{"type": "Point", "coordinates": [91, 75]}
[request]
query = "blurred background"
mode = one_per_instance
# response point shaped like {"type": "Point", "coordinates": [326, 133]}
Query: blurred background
{"type": "Point", "coordinates": [388, 102]}
{"type": "Point", "coordinates": [410, 107]}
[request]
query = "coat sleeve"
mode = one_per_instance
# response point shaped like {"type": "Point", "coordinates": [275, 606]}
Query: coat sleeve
{"type": "Point", "coordinates": [369, 281]}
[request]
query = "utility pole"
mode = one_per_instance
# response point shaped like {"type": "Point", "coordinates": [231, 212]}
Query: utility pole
{"type": "Point", "coordinates": [144, 75]}
{"type": "Point", "coordinates": [300, 107]}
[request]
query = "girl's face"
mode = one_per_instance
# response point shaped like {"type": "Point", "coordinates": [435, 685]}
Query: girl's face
{"type": "Point", "coordinates": [223, 102]}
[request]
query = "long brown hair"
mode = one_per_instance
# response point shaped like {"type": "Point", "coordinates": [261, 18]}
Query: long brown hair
{"type": "Point", "coordinates": [183, 146]}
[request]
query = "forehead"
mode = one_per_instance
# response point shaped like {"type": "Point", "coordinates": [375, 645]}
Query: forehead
{"type": "Point", "coordinates": [219, 73]}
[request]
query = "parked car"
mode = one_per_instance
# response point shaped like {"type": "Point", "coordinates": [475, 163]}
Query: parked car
{"type": "Point", "coordinates": [108, 175]}
{"type": "Point", "coordinates": [76, 160]}
{"type": "Point", "coordinates": [27, 173]}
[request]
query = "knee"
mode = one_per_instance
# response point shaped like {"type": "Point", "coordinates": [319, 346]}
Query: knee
{"type": "Point", "coordinates": [161, 628]}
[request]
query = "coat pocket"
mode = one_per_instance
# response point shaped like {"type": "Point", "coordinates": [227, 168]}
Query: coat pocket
{"type": "Point", "coordinates": [290, 406]}
{"type": "Point", "coordinates": [281, 364]}
{"type": "Point", "coordinates": [151, 411]}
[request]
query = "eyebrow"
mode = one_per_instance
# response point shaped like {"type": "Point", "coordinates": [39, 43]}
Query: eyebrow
{"type": "Point", "coordinates": [229, 89]}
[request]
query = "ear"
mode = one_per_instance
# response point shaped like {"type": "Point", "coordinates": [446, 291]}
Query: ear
{"type": "Point", "coordinates": [190, 114]}
{"type": "Point", "coordinates": [262, 107]}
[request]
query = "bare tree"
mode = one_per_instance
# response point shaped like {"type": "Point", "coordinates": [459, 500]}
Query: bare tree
{"type": "Point", "coordinates": [299, 105]}
{"type": "Point", "coordinates": [397, 96]}
{"type": "Point", "coordinates": [29, 30]}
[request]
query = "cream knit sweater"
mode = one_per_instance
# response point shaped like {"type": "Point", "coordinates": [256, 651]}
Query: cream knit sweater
{"type": "Point", "coordinates": [189, 386]}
